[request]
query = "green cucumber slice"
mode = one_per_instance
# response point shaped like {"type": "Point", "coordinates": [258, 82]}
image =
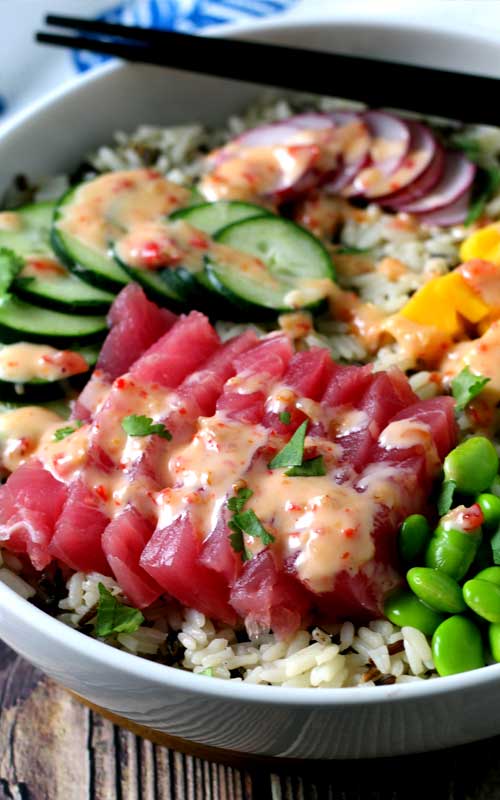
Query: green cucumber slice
{"type": "Point", "coordinates": [291, 254]}
{"type": "Point", "coordinates": [52, 287]}
{"type": "Point", "coordinates": [20, 321]}
{"type": "Point", "coordinates": [93, 265]}
{"type": "Point", "coordinates": [39, 389]}
{"type": "Point", "coordinates": [211, 217]}
{"type": "Point", "coordinates": [156, 283]}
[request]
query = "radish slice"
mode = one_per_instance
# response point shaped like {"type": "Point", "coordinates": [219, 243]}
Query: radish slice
{"type": "Point", "coordinates": [422, 185]}
{"type": "Point", "coordinates": [375, 183]}
{"type": "Point", "coordinates": [267, 135]}
{"type": "Point", "coordinates": [312, 121]}
{"type": "Point", "coordinates": [391, 140]}
{"type": "Point", "coordinates": [453, 214]}
{"type": "Point", "coordinates": [356, 151]}
{"type": "Point", "coordinates": [456, 179]}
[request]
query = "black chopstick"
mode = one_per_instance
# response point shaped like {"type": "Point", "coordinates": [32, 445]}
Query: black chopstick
{"type": "Point", "coordinates": [470, 98]}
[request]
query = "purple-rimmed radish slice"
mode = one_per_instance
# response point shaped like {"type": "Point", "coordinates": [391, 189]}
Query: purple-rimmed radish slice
{"type": "Point", "coordinates": [456, 179]}
{"type": "Point", "coordinates": [311, 121]}
{"type": "Point", "coordinates": [377, 184]}
{"type": "Point", "coordinates": [355, 149]}
{"type": "Point", "coordinates": [423, 185]}
{"type": "Point", "coordinates": [453, 214]}
{"type": "Point", "coordinates": [390, 140]}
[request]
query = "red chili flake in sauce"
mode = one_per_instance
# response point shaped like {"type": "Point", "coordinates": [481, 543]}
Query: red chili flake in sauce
{"type": "Point", "coordinates": [198, 241]}
{"type": "Point", "coordinates": [120, 383]}
{"type": "Point", "coordinates": [102, 492]}
{"type": "Point", "coordinates": [472, 518]}
{"type": "Point", "coordinates": [345, 556]}
{"type": "Point", "coordinates": [349, 532]}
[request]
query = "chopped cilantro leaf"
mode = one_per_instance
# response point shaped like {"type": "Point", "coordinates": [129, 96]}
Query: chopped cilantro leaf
{"type": "Point", "coordinates": [136, 425]}
{"type": "Point", "coordinates": [445, 498]}
{"type": "Point", "coordinates": [237, 541]}
{"type": "Point", "coordinates": [208, 672]}
{"type": "Point", "coordinates": [466, 386]}
{"type": "Point", "coordinates": [237, 502]}
{"type": "Point", "coordinates": [61, 433]}
{"type": "Point", "coordinates": [249, 523]}
{"type": "Point", "coordinates": [113, 616]}
{"type": "Point", "coordinates": [312, 468]}
{"type": "Point", "coordinates": [285, 417]}
{"type": "Point", "coordinates": [10, 267]}
{"type": "Point", "coordinates": [293, 452]}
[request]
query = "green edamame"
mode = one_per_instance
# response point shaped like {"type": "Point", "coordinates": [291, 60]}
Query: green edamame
{"type": "Point", "coordinates": [491, 574]}
{"type": "Point", "coordinates": [413, 537]}
{"type": "Point", "coordinates": [436, 589]}
{"type": "Point", "coordinates": [452, 551]}
{"type": "Point", "coordinates": [494, 639]}
{"type": "Point", "coordinates": [404, 608]}
{"type": "Point", "coordinates": [457, 646]}
{"type": "Point", "coordinates": [490, 506]}
{"type": "Point", "coordinates": [472, 465]}
{"type": "Point", "coordinates": [483, 597]}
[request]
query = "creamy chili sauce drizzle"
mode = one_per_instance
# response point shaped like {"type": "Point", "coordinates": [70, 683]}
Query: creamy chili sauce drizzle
{"type": "Point", "coordinates": [323, 523]}
{"type": "Point", "coordinates": [23, 362]}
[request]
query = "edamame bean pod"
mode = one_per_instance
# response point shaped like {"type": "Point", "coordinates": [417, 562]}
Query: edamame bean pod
{"type": "Point", "coordinates": [413, 537]}
{"type": "Point", "coordinates": [436, 589]}
{"type": "Point", "coordinates": [483, 597]}
{"type": "Point", "coordinates": [472, 465]}
{"type": "Point", "coordinates": [452, 551]}
{"type": "Point", "coordinates": [491, 574]}
{"type": "Point", "coordinates": [490, 506]}
{"type": "Point", "coordinates": [404, 608]}
{"type": "Point", "coordinates": [457, 646]}
{"type": "Point", "coordinates": [494, 639]}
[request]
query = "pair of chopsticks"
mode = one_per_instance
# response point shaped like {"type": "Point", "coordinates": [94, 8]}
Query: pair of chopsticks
{"type": "Point", "coordinates": [454, 95]}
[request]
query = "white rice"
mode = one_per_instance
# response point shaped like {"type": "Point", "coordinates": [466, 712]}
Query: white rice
{"type": "Point", "coordinates": [339, 656]}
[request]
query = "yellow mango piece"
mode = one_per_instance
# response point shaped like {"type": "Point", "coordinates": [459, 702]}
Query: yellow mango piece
{"type": "Point", "coordinates": [442, 301]}
{"type": "Point", "coordinates": [454, 289]}
{"type": "Point", "coordinates": [483, 243]}
{"type": "Point", "coordinates": [428, 306]}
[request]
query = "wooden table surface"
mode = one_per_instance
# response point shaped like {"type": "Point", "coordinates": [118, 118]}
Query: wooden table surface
{"type": "Point", "coordinates": [54, 748]}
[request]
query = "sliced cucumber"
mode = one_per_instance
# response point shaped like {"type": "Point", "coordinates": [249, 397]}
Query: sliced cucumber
{"type": "Point", "coordinates": [53, 287]}
{"type": "Point", "coordinates": [20, 321]}
{"type": "Point", "coordinates": [93, 265]}
{"type": "Point", "coordinates": [40, 389]}
{"type": "Point", "coordinates": [211, 217]}
{"type": "Point", "coordinates": [292, 256]}
{"type": "Point", "coordinates": [155, 282]}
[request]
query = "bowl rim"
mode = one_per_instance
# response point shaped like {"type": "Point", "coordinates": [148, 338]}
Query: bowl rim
{"type": "Point", "coordinates": [173, 677]}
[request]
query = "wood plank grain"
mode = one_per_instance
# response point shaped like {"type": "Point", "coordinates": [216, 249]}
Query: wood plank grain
{"type": "Point", "coordinates": [54, 748]}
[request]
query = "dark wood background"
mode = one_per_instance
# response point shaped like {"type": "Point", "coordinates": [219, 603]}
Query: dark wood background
{"type": "Point", "coordinates": [54, 748]}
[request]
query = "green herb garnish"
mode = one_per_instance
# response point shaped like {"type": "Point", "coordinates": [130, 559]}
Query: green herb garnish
{"type": "Point", "coordinates": [238, 542]}
{"type": "Point", "coordinates": [293, 453]}
{"type": "Point", "coordinates": [237, 502]}
{"type": "Point", "coordinates": [488, 185]}
{"type": "Point", "coordinates": [312, 468]}
{"type": "Point", "coordinates": [445, 498]}
{"type": "Point", "coordinates": [10, 267]}
{"type": "Point", "coordinates": [285, 417]}
{"type": "Point", "coordinates": [466, 386]}
{"type": "Point", "coordinates": [470, 147]}
{"type": "Point", "coordinates": [113, 616]}
{"type": "Point", "coordinates": [135, 425]}
{"type": "Point", "coordinates": [208, 672]}
{"type": "Point", "coordinates": [249, 523]}
{"type": "Point", "coordinates": [61, 433]}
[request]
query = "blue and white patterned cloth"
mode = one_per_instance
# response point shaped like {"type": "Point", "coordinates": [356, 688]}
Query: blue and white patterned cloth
{"type": "Point", "coordinates": [183, 15]}
{"type": "Point", "coordinates": [42, 69]}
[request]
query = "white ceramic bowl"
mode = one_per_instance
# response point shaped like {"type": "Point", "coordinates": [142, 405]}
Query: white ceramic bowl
{"type": "Point", "coordinates": [297, 723]}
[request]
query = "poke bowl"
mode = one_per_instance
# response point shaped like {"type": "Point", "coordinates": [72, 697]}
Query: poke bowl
{"type": "Point", "coordinates": [261, 511]}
